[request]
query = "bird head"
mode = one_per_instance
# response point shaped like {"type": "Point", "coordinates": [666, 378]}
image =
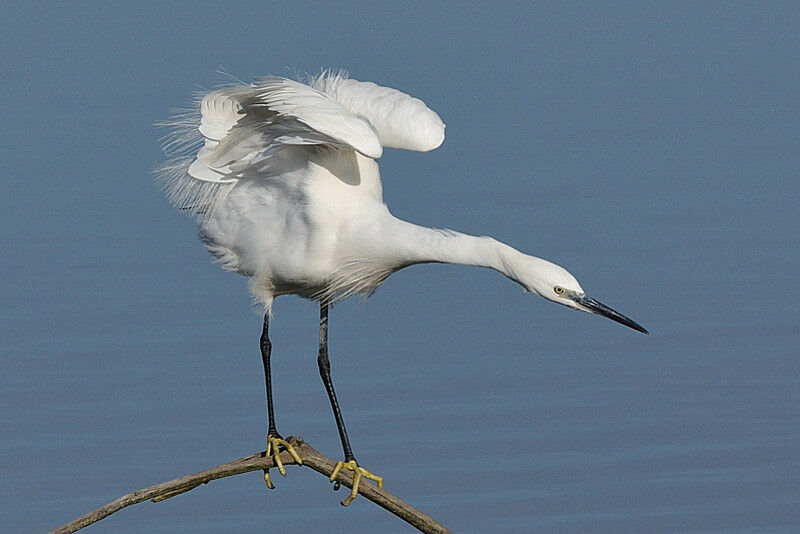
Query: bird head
{"type": "Point", "coordinates": [556, 284]}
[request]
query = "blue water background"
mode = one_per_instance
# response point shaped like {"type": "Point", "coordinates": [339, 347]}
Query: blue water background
{"type": "Point", "coordinates": [653, 151]}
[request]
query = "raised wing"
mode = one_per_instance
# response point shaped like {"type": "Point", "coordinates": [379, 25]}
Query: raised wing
{"type": "Point", "coordinates": [401, 121]}
{"type": "Point", "coordinates": [244, 126]}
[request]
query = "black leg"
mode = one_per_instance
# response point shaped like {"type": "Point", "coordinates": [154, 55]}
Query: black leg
{"type": "Point", "coordinates": [275, 443]}
{"type": "Point", "coordinates": [266, 350]}
{"type": "Point", "coordinates": [325, 373]}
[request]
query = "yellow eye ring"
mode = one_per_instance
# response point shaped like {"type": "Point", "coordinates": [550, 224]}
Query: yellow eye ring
{"type": "Point", "coordinates": [559, 290]}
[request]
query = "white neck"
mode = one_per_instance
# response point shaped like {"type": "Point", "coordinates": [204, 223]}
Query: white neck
{"type": "Point", "coordinates": [408, 244]}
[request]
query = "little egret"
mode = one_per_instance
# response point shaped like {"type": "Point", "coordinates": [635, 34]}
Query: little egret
{"type": "Point", "coordinates": [284, 181]}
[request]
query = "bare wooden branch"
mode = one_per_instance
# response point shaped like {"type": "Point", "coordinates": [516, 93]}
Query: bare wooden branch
{"type": "Point", "coordinates": [311, 458]}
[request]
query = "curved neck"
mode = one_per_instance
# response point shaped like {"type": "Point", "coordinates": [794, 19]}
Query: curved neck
{"type": "Point", "coordinates": [412, 244]}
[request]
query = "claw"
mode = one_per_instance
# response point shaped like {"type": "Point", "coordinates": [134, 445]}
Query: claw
{"type": "Point", "coordinates": [358, 472]}
{"type": "Point", "coordinates": [274, 444]}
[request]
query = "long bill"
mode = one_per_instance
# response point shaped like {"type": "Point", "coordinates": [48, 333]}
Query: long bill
{"type": "Point", "coordinates": [593, 306]}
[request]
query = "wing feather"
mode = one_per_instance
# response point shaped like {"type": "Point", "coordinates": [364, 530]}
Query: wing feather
{"type": "Point", "coordinates": [401, 120]}
{"type": "Point", "coordinates": [241, 128]}
{"type": "Point", "coordinates": [317, 111]}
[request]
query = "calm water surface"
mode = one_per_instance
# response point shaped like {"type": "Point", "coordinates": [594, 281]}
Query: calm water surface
{"type": "Point", "coordinates": [654, 152]}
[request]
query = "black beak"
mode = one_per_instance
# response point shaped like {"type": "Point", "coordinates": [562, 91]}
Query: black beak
{"type": "Point", "coordinates": [601, 309]}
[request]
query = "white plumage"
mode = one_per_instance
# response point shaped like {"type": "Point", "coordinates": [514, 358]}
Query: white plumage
{"type": "Point", "coordinates": [245, 126]}
{"type": "Point", "coordinates": [400, 120]}
{"type": "Point", "coordinates": [283, 178]}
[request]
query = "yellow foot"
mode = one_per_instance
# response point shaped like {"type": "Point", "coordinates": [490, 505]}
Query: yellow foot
{"type": "Point", "coordinates": [274, 446]}
{"type": "Point", "coordinates": [358, 472]}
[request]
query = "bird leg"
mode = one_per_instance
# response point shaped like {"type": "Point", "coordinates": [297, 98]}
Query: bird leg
{"type": "Point", "coordinates": [325, 372]}
{"type": "Point", "coordinates": [274, 440]}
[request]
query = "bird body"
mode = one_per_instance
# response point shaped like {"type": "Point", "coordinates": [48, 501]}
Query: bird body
{"type": "Point", "coordinates": [322, 231]}
{"type": "Point", "coordinates": [304, 231]}
{"type": "Point", "coordinates": [285, 184]}
{"type": "Point", "coordinates": [295, 210]}
{"type": "Point", "coordinates": [291, 194]}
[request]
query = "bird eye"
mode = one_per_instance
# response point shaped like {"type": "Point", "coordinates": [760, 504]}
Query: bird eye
{"type": "Point", "coordinates": [559, 290]}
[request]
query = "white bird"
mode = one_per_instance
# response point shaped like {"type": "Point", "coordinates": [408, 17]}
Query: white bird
{"type": "Point", "coordinates": [284, 181]}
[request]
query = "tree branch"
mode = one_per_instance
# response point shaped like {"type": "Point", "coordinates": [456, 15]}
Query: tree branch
{"type": "Point", "coordinates": [311, 458]}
